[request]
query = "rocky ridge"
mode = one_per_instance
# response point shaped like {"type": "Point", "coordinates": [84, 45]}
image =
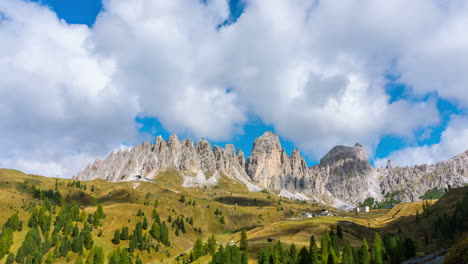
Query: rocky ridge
{"type": "Point", "coordinates": [343, 178]}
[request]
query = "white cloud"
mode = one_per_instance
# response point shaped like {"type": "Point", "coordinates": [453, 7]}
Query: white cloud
{"type": "Point", "coordinates": [312, 69]}
{"type": "Point", "coordinates": [58, 106]}
{"type": "Point", "coordinates": [63, 166]}
{"type": "Point", "coordinates": [454, 141]}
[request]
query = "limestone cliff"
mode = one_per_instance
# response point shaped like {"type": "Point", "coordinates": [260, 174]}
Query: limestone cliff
{"type": "Point", "coordinates": [343, 178]}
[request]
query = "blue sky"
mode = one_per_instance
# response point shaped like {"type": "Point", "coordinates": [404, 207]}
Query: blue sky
{"type": "Point", "coordinates": [228, 72]}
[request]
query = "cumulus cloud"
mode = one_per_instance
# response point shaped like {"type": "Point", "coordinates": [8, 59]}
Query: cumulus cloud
{"type": "Point", "coordinates": [312, 69]}
{"type": "Point", "coordinates": [58, 107]}
{"type": "Point", "coordinates": [454, 141]}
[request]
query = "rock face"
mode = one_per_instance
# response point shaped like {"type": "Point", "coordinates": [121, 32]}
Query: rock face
{"type": "Point", "coordinates": [199, 163]}
{"type": "Point", "coordinates": [343, 178]}
{"type": "Point", "coordinates": [409, 183]}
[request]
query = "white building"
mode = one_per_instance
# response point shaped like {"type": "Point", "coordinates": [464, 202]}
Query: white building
{"type": "Point", "coordinates": [326, 212]}
{"type": "Point", "coordinates": [307, 215]}
{"type": "Point", "coordinates": [362, 209]}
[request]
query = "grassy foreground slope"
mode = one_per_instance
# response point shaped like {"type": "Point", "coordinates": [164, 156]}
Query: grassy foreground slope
{"type": "Point", "coordinates": [223, 210]}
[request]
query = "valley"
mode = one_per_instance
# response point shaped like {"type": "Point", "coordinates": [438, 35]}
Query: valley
{"type": "Point", "coordinates": [223, 210]}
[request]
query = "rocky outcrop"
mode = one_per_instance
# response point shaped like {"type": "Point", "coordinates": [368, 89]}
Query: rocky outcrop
{"type": "Point", "coordinates": [409, 183]}
{"type": "Point", "coordinates": [199, 163]}
{"type": "Point", "coordinates": [266, 163]}
{"type": "Point", "coordinates": [343, 178]}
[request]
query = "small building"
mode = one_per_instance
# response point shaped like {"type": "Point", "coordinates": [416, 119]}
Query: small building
{"type": "Point", "coordinates": [271, 240]}
{"type": "Point", "coordinates": [364, 209]}
{"type": "Point", "coordinates": [325, 212]}
{"type": "Point", "coordinates": [307, 215]}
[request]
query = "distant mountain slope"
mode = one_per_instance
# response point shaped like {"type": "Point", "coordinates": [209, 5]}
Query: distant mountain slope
{"type": "Point", "coordinates": [343, 178]}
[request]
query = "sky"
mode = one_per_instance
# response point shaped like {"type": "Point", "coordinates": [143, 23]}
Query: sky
{"type": "Point", "coordinates": [82, 78]}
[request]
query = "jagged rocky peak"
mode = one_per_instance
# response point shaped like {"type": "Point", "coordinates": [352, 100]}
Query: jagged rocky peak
{"type": "Point", "coordinates": [264, 161]}
{"type": "Point", "coordinates": [344, 176]}
{"type": "Point", "coordinates": [344, 153]}
{"type": "Point", "coordinates": [270, 166]}
{"type": "Point", "coordinates": [241, 158]}
{"type": "Point", "coordinates": [389, 165]}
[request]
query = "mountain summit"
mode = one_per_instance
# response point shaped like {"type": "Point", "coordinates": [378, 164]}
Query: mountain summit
{"type": "Point", "coordinates": [343, 178]}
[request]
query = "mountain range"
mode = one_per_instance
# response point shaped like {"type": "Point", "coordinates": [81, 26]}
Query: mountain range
{"type": "Point", "coordinates": [343, 178]}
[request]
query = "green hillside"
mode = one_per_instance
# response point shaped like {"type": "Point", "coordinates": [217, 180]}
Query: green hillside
{"type": "Point", "coordinates": [48, 220]}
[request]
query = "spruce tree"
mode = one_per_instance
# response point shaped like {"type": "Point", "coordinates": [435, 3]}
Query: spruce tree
{"type": "Point", "coordinates": [331, 259]}
{"type": "Point", "coordinates": [164, 236]}
{"type": "Point", "coordinates": [88, 240]}
{"type": "Point", "coordinates": [339, 232]}
{"type": "Point", "coordinates": [293, 253]}
{"type": "Point", "coordinates": [245, 259]}
{"type": "Point", "coordinates": [155, 231]}
{"type": "Point", "coordinates": [347, 257]}
{"type": "Point", "coordinates": [324, 247]}
{"type": "Point", "coordinates": [156, 217]}
{"type": "Point", "coordinates": [116, 239]}
{"type": "Point", "coordinates": [377, 249]}
{"type": "Point", "coordinates": [335, 246]}
{"type": "Point", "coordinates": [365, 257]}
{"type": "Point", "coordinates": [304, 256]}
{"type": "Point", "coordinates": [198, 249]}
{"type": "Point", "coordinates": [77, 245]}
{"type": "Point", "coordinates": [124, 233]}
{"type": "Point", "coordinates": [211, 245]}
{"type": "Point", "coordinates": [10, 259]}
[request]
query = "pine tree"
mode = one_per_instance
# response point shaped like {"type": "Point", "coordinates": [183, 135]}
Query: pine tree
{"type": "Point", "coordinates": [365, 257]}
{"type": "Point", "coordinates": [377, 249]}
{"type": "Point", "coordinates": [116, 239]}
{"type": "Point", "coordinates": [293, 253]}
{"type": "Point", "coordinates": [88, 240]}
{"type": "Point", "coordinates": [347, 257]}
{"type": "Point", "coordinates": [75, 231]}
{"type": "Point", "coordinates": [313, 252]}
{"type": "Point", "coordinates": [245, 259]}
{"type": "Point", "coordinates": [164, 235]}
{"type": "Point", "coordinates": [96, 256]}
{"type": "Point", "coordinates": [124, 233]}
{"type": "Point", "coordinates": [339, 232]}
{"type": "Point", "coordinates": [156, 217]}
{"type": "Point", "coordinates": [198, 249]}
{"type": "Point", "coordinates": [324, 247]}
{"type": "Point", "coordinates": [304, 256]}
{"type": "Point", "coordinates": [335, 246]}
{"type": "Point", "coordinates": [77, 245]}
{"type": "Point", "coordinates": [211, 245]}
{"type": "Point", "coordinates": [331, 259]}
{"type": "Point", "coordinates": [221, 220]}
{"type": "Point", "coordinates": [155, 231]}
{"type": "Point", "coordinates": [145, 223]}
{"type": "Point", "coordinates": [10, 259]}
{"type": "Point", "coordinates": [243, 240]}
